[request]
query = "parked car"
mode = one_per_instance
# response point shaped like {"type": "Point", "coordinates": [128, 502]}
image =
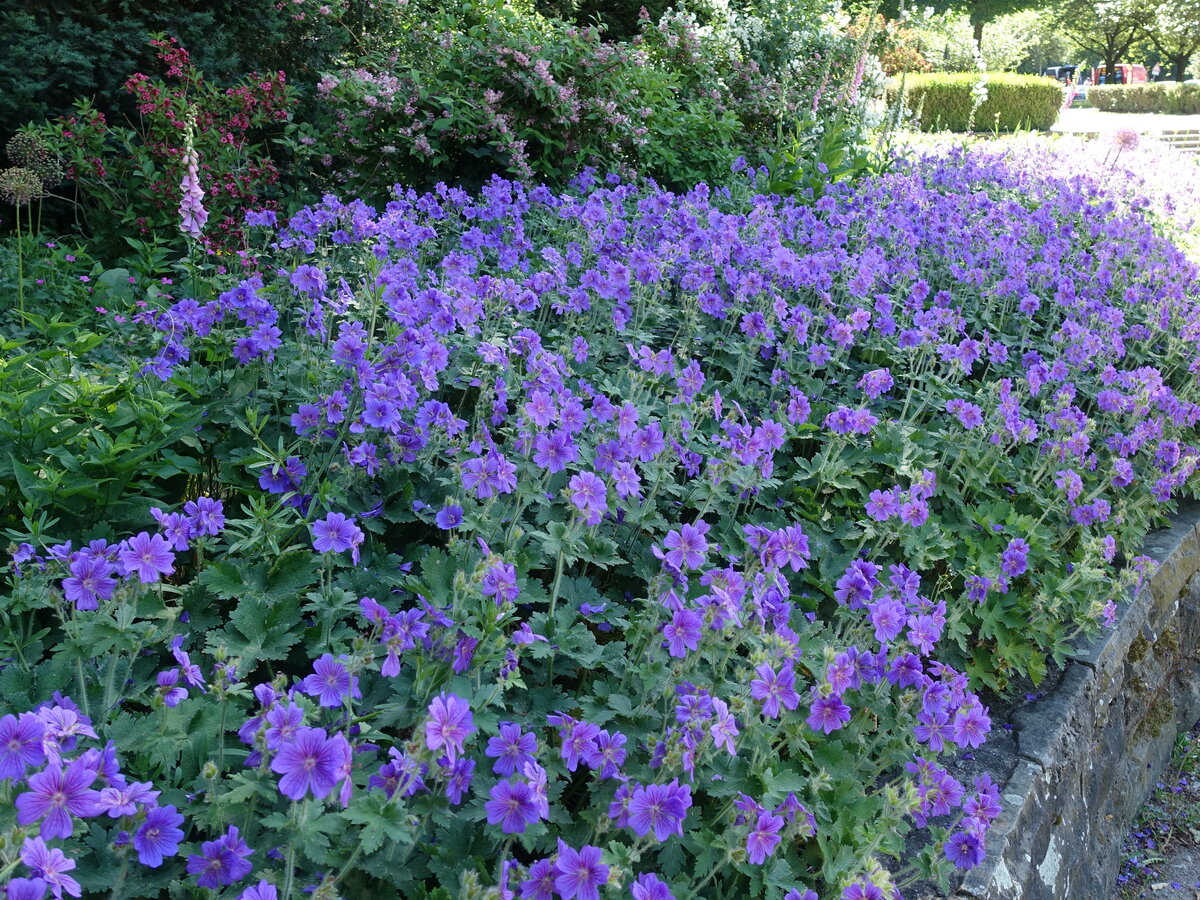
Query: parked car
{"type": "Point", "coordinates": [1123, 73]}
{"type": "Point", "coordinates": [1065, 74]}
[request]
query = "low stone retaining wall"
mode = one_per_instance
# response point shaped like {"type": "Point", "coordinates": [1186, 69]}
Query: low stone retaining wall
{"type": "Point", "coordinates": [1082, 758]}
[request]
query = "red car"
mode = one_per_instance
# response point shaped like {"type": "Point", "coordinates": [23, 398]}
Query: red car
{"type": "Point", "coordinates": [1125, 73]}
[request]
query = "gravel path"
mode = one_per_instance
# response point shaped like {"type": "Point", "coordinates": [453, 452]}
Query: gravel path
{"type": "Point", "coordinates": [1094, 121]}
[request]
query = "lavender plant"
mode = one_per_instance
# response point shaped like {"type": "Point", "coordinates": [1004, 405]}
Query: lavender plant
{"type": "Point", "coordinates": [612, 540]}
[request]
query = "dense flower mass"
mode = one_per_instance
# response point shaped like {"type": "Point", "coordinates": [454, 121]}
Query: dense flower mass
{"type": "Point", "coordinates": [682, 529]}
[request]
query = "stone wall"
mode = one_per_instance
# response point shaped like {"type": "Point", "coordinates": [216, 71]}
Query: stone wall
{"type": "Point", "coordinates": [1086, 755]}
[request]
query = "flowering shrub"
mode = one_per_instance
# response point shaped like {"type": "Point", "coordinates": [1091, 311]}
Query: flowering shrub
{"type": "Point", "coordinates": [126, 178]}
{"type": "Point", "coordinates": [570, 544]}
{"type": "Point", "coordinates": [486, 89]}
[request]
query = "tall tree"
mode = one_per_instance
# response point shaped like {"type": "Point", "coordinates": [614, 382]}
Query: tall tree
{"type": "Point", "coordinates": [1174, 29]}
{"type": "Point", "coordinates": [1107, 29]}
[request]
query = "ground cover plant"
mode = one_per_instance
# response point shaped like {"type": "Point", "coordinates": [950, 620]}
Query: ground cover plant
{"type": "Point", "coordinates": [1167, 829]}
{"type": "Point", "coordinates": [604, 541]}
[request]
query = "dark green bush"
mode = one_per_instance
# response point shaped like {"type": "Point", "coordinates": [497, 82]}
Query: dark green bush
{"type": "Point", "coordinates": [1014, 102]}
{"type": "Point", "coordinates": [57, 53]}
{"type": "Point", "coordinates": [1164, 97]}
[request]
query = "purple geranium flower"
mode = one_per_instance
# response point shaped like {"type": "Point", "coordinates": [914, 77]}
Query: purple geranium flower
{"type": "Point", "coordinates": [264, 890]}
{"type": "Point", "coordinates": [450, 723]}
{"type": "Point", "coordinates": [511, 748]}
{"type": "Point", "coordinates": [660, 808]}
{"type": "Point", "coordinates": [764, 838]}
{"type": "Point", "coordinates": [206, 514]}
{"type": "Point", "coordinates": [50, 864]}
{"type": "Point", "coordinates": [331, 682]}
{"type": "Point", "coordinates": [148, 556]}
{"type": "Point", "coordinates": [159, 836]}
{"type": "Point", "coordinates": [650, 887]}
{"type": "Point", "coordinates": [337, 533]}
{"type": "Point", "coordinates": [221, 862]}
{"type": "Point", "coordinates": [90, 582]}
{"type": "Point", "coordinates": [683, 632]}
{"type": "Point", "coordinates": [20, 744]}
{"type": "Point", "coordinates": [965, 849]}
{"type": "Point", "coordinates": [512, 806]}
{"type": "Point", "coordinates": [775, 689]}
{"type": "Point", "coordinates": [26, 889]}
{"type": "Point", "coordinates": [57, 795]}
{"type": "Point", "coordinates": [309, 763]}
{"type": "Point", "coordinates": [686, 548]}
{"type": "Point", "coordinates": [579, 874]}
{"type": "Point", "coordinates": [828, 714]}
{"type": "Point", "coordinates": [449, 517]}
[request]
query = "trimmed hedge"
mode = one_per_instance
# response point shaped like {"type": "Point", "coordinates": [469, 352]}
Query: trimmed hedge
{"type": "Point", "coordinates": [1163, 97]}
{"type": "Point", "coordinates": [1014, 102]}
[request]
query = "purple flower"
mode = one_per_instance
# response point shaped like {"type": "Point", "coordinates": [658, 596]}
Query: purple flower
{"type": "Point", "coordinates": [511, 749]}
{"type": "Point", "coordinates": [828, 714]}
{"type": "Point", "coordinates": [169, 689]}
{"type": "Point", "coordinates": [50, 864]}
{"type": "Point", "coordinates": [649, 887]}
{"type": "Point", "coordinates": [149, 556]}
{"type": "Point", "coordinates": [686, 548]}
{"type": "Point", "coordinates": [221, 862]}
{"type": "Point", "coordinates": [449, 517]}
{"type": "Point", "coordinates": [764, 838]}
{"type": "Point", "coordinates": [264, 890]}
{"type": "Point", "coordinates": [90, 582]}
{"type": "Point", "coordinates": [579, 874]}
{"type": "Point", "coordinates": [607, 753]}
{"type": "Point", "coordinates": [458, 779]}
{"type": "Point", "coordinates": [683, 632]}
{"type": "Point", "coordinates": [309, 763]}
{"type": "Point", "coordinates": [159, 836]}
{"type": "Point", "coordinates": [192, 214]}
{"type": "Point", "coordinates": [283, 721]}
{"type": "Point", "coordinates": [331, 682]}
{"type": "Point", "coordinates": [500, 582]}
{"type": "Point", "coordinates": [1014, 559]}
{"type": "Point", "coordinates": [337, 533]}
{"type": "Point", "coordinates": [882, 505]}
{"type": "Point", "coordinates": [862, 890]}
{"type": "Point", "coordinates": [724, 728]}
{"type": "Point", "coordinates": [25, 889]}
{"type": "Point", "coordinates": [775, 689]}
{"type": "Point", "coordinates": [589, 495]}
{"type": "Point", "coordinates": [971, 725]}
{"type": "Point", "coordinates": [552, 451]}
{"type": "Point", "coordinates": [965, 849]}
{"type": "Point", "coordinates": [57, 795]}
{"type": "Point", "coordinates": [20, 744]}
{"type": "Point", "coordinates": [540, 883]}
{"type": "Point", "coordinates": [125, 800]}
{"type": "Point", "coordinates": [512, 806]}
{"type": "Point", "coordinates": [660, 808]}
{"type": "Point", "coordinates": [450, 723]}
{"type": "Point", "coordinates": [207, 515]}
{"type": "Point", "coordinates": [309, 280]}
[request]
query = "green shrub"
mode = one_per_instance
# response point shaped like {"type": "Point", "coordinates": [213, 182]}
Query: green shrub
{"type": "Point", "coordinates": [1014, 102]}
{"type": "Point", "coordinates": [487, 88]}
{"type": "Point", "coordinates": [59, 53]}
{"type": "Point", "coordinates": [1164, 97]}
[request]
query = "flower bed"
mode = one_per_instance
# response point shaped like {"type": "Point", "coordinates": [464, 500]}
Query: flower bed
{"type": "Point", "coordinates": [555, 543]}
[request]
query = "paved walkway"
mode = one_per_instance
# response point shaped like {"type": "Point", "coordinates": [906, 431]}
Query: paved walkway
{"type": "Point", "coordinates": [1094, 121]}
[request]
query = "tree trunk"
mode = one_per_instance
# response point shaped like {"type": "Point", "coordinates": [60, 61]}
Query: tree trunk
{"type": "Point", "coordinates": [1179, 66]}
{"type": "Point", "coordinates": [977, 24]}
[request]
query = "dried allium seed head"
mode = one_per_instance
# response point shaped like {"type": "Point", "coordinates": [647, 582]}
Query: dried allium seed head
{"type": "Point", "coordinates": [29, 151]}
{"type": "Point", "coordinates": [20, 185]}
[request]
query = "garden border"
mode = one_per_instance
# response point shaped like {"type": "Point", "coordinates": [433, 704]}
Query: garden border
{"type": "Point", "coordinates": [1086, 755]}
